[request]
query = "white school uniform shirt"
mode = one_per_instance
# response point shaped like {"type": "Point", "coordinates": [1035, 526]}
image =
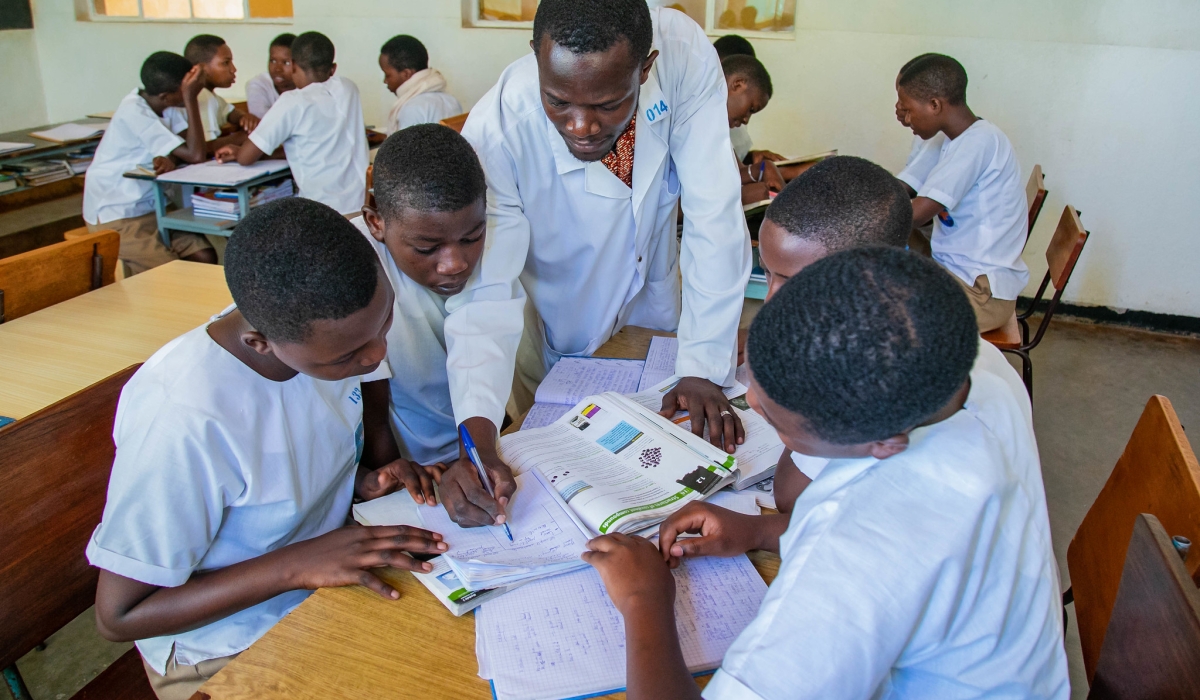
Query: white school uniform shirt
{"type": "Point", "coordinates": [977, 178]}
{"type": "Point", "coordinates": [216, 465]}
{"type": "Point", "coordinates": [742, 143]}
{"type": "Point", "coordinates": [421, 415]}
{"type": "Point", "coordinates": [926, 575]}
{"type": "Point", "coordinates": [214, 113]}
{"type": "Point", "coordinates": [321, 129]}
{"type": "Point", "coordinates": [135, 136]}
{"type": "Point", "coordinates": [260, 94]}
{"type": "Point", "coordinates": [593, 254]}
{"type": "Point", "coordinates": [426, 108]}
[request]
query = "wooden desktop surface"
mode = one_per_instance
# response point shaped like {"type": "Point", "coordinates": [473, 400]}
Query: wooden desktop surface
{"type": "Point", "coordinates": [52, 353]}
{"type": "Point", "coordinates": [351, 643]}
{"type": "Point", "coordinates": [42, 145]}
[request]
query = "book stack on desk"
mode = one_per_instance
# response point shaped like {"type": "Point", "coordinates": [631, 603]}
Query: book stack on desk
{"type": "Point", "coordinates": [40, 171]}
{"type": "Point", "coordinates": [216, 203]}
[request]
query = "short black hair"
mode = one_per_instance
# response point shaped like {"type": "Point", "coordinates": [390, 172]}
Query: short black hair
{"type": "Point", "coordinates": [751, 69]}
{"type": "Point", "coordinates": [294, 261]}
{"type": "Point", "coordinates": [865, 344]}
{"type": "Point", "coordinates": [591, 26]}
{"type": "Point", "coordinates": [163, 72]}
{"type": "Point", "coordinates": [313, 51]}
{"type": "Point", "coordinates": [202, 47]}
{"type": "Point", "coordinates": [933, 75]}
{"type": "Point", "coordinates": [285, 40]}
{"type": "Point", "coordinates": [733, 45]}
{"type": "Point", "coordinates": [404, 52]}
{"type": "Point", "coordinates": [844, 202]}
{"type": "Point", "coordinates": [427, 167]}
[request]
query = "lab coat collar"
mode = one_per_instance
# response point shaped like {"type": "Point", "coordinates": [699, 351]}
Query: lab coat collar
{"type": "Point", "coordinates": [653, 122]}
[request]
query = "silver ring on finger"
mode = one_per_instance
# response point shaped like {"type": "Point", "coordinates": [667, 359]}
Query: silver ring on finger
{"type": "Point", "coordinates": [725, 414]}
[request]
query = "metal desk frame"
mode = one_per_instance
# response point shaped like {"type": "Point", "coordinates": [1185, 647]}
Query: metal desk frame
{"type": "Point", "coordinates": [185, 219]}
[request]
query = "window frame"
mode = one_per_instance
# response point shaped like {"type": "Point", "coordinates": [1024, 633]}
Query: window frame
{"type": "Point", "coordinates": [470, 20]}
{"type": "Point", "coordinates": [85, 11]}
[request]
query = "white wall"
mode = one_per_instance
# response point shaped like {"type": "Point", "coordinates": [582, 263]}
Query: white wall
{"type": "Point", "coordinates": [1102, 93]}
{"type": "Point", "coordinates": [20, 81]}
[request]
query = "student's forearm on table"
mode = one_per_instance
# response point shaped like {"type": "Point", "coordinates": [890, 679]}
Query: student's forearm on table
{"type": "Point", "coordinates": [654, 662]}
{"type": "Point", "coordinates": [205, 598]}
{"type": "Point", "coordinates": [379, 444]}
{"type": "Point", "coordinates": [771, 528]}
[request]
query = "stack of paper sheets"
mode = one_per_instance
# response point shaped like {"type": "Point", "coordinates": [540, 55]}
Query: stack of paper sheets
{"type": "Point", "coordinates": [563, 638]}
{"type": "Point", "coordinates": [70, 132]}
{"type": "Point", "coordinates": [217, 174]}
{"type": "Point", "coordinates": [547, 539]}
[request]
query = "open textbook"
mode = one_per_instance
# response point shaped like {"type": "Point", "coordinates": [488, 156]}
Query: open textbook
{"type": "Point", "coordinates": [619, 466]}
{"type": "Point", "coordinates": [574, 378]}
{"type": "Point", "coordinates": [562, 637]}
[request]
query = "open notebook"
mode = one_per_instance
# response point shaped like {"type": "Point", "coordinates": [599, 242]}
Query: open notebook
{"type": "Point", "coordinates": [562, 637]}
{"type": "Point", "coordinates": [572, 379]}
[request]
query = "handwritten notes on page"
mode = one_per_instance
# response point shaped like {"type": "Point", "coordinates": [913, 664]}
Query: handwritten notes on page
{"type": "Point", "coordinates": [561, 637]}
{"type": "Point", "coordinates": [572, 379]}
{"type": "Point", "coordinates": [660, 361]}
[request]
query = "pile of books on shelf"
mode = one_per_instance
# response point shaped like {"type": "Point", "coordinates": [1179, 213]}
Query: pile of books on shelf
{"type": "Point", "coordinates": [221, 203]}
{"type": "Point", "coordinates": [8, 183]}
{"type": "Point", "coordinates": [40, 171]}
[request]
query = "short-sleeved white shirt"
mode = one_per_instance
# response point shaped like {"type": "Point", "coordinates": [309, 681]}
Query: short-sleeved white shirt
{"type": "Point", "coordinates": [421, 415]}
{"type": "Point", "coordinates": [321, 129]}
{"type": "Point", "coordinates": [977, 178]}
{"type": "Point", "coordinates": [135, 136]}
{"type": "Point", "coordinates": [214, 112]}
{"type": "Point", "coordinates": [926, 575]}
{"type": "Point", "coordinates": [216, 465]}
{"type": "Point", "coordinates": [426, 108]}
{"type": "Point", "coordinates": [260, 94]}
{"type": "Point", "coordinates": [742, 143]}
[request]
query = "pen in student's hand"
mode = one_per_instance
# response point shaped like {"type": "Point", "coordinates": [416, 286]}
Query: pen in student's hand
{"type": "Point", "coordinates": [762, 169]}
{"type": "Point", "coordinates": [473, 455]}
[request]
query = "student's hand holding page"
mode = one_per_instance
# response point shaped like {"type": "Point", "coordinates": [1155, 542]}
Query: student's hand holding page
{"type": "Point", "coordinates": [227, 153]}
{"type": "Point", "coordinates": [465, 497]}
{"type": "Point", "coordinates": [633, 571]}
{"type": "Point", "coordinates": [723, 533]}
{"type": "Point", "coordinates": [401, 473]}
{"type": "Point", "coordinates": [163, 164]}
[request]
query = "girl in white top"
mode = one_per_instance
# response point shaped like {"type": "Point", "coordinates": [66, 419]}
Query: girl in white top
{"type": "Point", "coordinates": [421, 96]}
{"type": "Point", "coordinates": [240, 446]}
{"type": "Point", "coordinates": [265, 88]}
{"type": "Point", "coordinates": [320, 127]}
{"type": "Point", "coordinates": [428, 228]}
{"type": "Point", "coordinates": [918, 563]}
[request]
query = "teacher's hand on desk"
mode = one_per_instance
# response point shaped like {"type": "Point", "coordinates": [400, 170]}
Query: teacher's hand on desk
{"type": "Point", "coordinates": [466, 499]}
{"type": "Point", "coordinates": [707, 405]}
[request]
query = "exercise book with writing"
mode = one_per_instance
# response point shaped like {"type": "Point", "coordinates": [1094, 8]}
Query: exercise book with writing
{"type": "Point", "coordinates": [574, 378]}
{"type": "Point", "coordinates": [563, 638]}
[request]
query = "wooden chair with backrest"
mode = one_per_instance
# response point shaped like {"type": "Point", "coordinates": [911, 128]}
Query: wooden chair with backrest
{"type": "Point", "coordinates": [1152, 647]}
{"type": "Point", "coordinates": [1061, 256]}
{"type": "Point", "coordinates": [456, 122]}
{"type": "Point", "coordinates": [42, 277]}
{"type": "Point", "coordinates": [1157, 474]}
{"type": "Point", "coordinates": [1035, 194]}
{"type": "Point", "coordinates": [54, 469]}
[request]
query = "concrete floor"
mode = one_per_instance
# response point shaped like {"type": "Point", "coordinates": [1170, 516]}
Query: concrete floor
{"type": "Point", "coordinates": [1091, 383]}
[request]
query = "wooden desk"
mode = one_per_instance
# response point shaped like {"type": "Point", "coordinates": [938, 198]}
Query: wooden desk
{"type": "Point", "coordinates": [350, 643]}
{"type": "Point", "coordinates": [57, 351]}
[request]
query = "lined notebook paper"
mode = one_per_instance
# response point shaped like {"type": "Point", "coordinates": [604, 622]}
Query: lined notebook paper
{"type": "Point", "coordinates": [562, 638]}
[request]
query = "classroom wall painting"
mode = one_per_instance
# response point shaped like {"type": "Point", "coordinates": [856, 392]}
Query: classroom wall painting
{"type": "Point", "coordinates": [15, 14]}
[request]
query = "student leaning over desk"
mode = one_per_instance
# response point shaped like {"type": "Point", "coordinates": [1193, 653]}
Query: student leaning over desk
{"type": "Point", "coordinates": [583, 221]}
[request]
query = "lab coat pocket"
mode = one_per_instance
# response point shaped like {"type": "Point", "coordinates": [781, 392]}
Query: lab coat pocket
{"type": "Point", "coordinates": [658, 304]}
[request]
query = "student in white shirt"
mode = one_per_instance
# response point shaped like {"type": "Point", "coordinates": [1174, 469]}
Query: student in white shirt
{"type": "Point", "coordinates": [743, 144]}
{"type": "Point", "coordinates": [428, 227]}
{"type": "Point", "coordinates": [265, 88]}
{"type": "Point", "coordinates": [239, 446]}
{"type": "Point", "coordinates": [750, 89]}
{"type": "Point", "coordinates": [320, 127]}
{"type": "Point", "coordinates": [585, 223]}
{"type": "Point", "coordinates": [144, 131]}
{"type": "Point", "coordinates": [219, 72]}
{"type": "Point", "coordinates": [420, 91]}
{"type": "Point", "coordinates": [972, 190]}
{"type": "Point", "coordinates": [918, 563]}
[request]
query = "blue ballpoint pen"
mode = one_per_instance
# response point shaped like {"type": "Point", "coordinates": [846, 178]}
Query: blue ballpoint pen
{"type": "Point", "coordinates": [473, 455]}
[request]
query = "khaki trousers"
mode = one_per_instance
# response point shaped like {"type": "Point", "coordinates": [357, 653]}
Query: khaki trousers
{"type": "Point", "coordinates": [181, 682]}
{"type": "Point", "coordinates": [990, 312]}
{"type": "Point", "coordinates": [141, 247]}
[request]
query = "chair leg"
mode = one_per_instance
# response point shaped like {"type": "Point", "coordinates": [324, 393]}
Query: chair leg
{"type": "Point", "coordinates": [1027, 373]}
{"type": "Point", "coordinates": [16, 684]}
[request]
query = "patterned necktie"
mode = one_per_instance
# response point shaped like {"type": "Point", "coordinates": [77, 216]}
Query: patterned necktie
{"type": "Point", "coordinates": [619, 160]}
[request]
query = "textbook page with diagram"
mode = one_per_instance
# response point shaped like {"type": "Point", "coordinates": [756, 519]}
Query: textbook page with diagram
{"type": "Point", "coordinates": [619, 466]}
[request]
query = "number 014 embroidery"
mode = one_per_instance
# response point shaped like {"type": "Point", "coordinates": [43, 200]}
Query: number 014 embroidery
{"type": "Point", "coordinates": [655, 111]}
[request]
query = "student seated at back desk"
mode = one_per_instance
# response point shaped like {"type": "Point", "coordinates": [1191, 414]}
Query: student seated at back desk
{"type": "Point", "coordinates": [144, 131]}
{"type": "Point", "coordinates": [320, 128]}
{"type": "Point", "coordinates": [265, 88]}
{"type": "Point", "coordinates": [743, 145]}
{"type": "Point", "coordinates": [219, 72]}
{"type": "Point", "coordinates": [428, 228]}
{"type": "Point", "coordinates": [918, 562]}
{"type": "Point", "coordinates": [749, 88]}
{"type": "Point", "coordinates": [239, 447]}
{"type": "Point", "coordinates": [964, 175]}
{"type": "Point", "coordinates": [420, 91]}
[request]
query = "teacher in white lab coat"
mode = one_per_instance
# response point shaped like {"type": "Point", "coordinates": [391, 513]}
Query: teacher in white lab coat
{"type": "Point", "coordinates": [588, 144]}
